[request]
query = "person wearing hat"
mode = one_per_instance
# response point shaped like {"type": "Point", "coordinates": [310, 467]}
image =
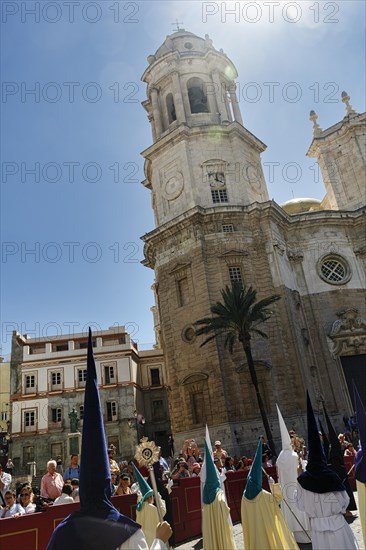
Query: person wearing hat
{"type": "Point", "coordinates": [217, 530]}
{"type": "Point", "coordinates": [321, 494]}
{"type": "Point", "coordinates": [98, 524]}
{"type": "Point", "coordinates": [219, 453]}
{"type": "Point", "coordinates": [264, 526]}
{"type": "Point", "coordinates": [287, 464]}
{"type": "Point", "coordinates": [113, 466]}
{"type": "Point", "coordinates": [146, 512]}
{"type": "Point", "coordinates": [360, 460]}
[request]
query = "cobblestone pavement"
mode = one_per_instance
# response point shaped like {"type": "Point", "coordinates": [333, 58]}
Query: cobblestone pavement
{"type": "Point", "coordinates": [196, 544]}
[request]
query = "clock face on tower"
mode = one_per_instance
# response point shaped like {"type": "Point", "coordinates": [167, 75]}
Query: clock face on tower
{"type": "Point", "coordinates": [173, 187]}
{"type": "Point", "coordinates": [217, 180]}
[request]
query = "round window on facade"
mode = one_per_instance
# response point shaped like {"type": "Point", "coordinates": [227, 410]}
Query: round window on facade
{"type": "Point", "coordinates": [334, 270]}
{"type": "Point", "coordinates": [189, 334]}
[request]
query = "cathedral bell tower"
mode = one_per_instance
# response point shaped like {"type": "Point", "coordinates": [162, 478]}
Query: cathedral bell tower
{"type": "Point", "coordinates": [202, 155]}
{"type": "Point", "coordinates": [203, 170]}
{"type": "Point", "coordinates": [340, 152]}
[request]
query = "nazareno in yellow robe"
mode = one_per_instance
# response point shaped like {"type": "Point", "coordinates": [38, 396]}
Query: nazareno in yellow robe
{"type": "Point", "coordinates": [361, 492]}
{"type": "Point", "coordinates": [264, 526]}
{"type": "Point", "coordinates": [217, 529]}
{"type": "Point", "coordinates": [148, 518]}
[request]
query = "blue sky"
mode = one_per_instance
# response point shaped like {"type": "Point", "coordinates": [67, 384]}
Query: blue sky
{"type": "Point", "coordinates": [84, 209]}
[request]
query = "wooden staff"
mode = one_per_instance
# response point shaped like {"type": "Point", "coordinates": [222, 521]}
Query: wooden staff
{"type": "Point", "coordinates": [288, 506]}
{"type": "Point", "coordinates": [147, 453]}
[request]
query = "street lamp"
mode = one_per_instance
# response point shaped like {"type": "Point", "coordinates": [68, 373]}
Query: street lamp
{"type": "Point", "coordinates": [135, 422]}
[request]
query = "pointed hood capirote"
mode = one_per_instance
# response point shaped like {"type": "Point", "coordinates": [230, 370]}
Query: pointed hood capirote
{"type": "Point", "coordinates": [360, 458]}
{"type": "Point", "coordinates": [285, 436]}
{"type": "Point", "coordinates": [335, 452]}
{"type": "Point", "coordinates": [98, 524]}
{"type": "Point", "coordinates": [145, 489]}
{"type": "Point", "coordinates": [212, 482]}
{"type": "Point", "coordinates": [254, 479]}
{"type": "Point", "coordinates": [318, 477]}
{"type": "Point", "coordinates": [325, 442]}
{"type": "Point", "coordinates": [287, 457]}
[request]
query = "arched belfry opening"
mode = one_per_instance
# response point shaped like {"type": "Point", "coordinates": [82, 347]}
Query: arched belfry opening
{"type": "Point", "coordinates": [197, 95]}
{"type": "Point", "coordinates": [169, 100]}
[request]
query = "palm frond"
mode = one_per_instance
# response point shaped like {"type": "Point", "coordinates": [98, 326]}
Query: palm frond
{"type": "Point", "coordinates": [260, 332]}
{"type": "Point", "coordinates": [236, 316]}
{"type": "Point", "coordinates": [209, 339]}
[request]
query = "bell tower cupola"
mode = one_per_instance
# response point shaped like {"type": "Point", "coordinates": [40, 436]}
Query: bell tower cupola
{"type": "Point", "coordinates": [189, 82]}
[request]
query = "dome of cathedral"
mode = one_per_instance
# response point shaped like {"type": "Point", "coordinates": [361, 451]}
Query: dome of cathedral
{"type": "Point", "coordinates": [183, 42]}
{"type": "Point", "coordinates": [296, 206]}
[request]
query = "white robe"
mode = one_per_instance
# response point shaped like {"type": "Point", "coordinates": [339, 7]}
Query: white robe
{"type": "Point", "coordinates": [329, 529]}
{"type": "Point", "coordinates": [287, 463]}
{"type": "Point", "coordinates": [148, 518]}
{"type": "Point", "coordinates": [138, 542]}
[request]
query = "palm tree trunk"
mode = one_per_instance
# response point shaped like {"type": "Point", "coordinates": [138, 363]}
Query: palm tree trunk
{"type": "Point", "coordinates": [253, 376]}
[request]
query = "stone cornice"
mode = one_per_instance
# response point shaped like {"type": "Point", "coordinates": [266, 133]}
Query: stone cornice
{"type": "Point", "coordinates": [48, 395]}
{"type": "Point", "coordinates": [196, 219]}
{"type": "Point", "coordinates": [170, 138]}
{"type": "Point", "coordinates": [174, 57]}
{"type": "Point", "coordinates": [77, 361]}
{"type": "Point", "coordinates": [201, 215]}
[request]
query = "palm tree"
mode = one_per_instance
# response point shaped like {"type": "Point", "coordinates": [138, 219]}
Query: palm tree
{"type": "Point", "coordinates": [237, 317]}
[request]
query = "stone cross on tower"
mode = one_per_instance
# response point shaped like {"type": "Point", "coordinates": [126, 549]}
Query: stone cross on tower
{"type": "Point", "coordinates": [177, 23]}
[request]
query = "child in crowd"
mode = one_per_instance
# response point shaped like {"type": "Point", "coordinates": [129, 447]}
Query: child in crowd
{"type": "Point", "coordinates": [12, 508]}
{"type": "Point", "coordinates": [65, 497]}
{"type": "Point", "coordinates": [75, 489]}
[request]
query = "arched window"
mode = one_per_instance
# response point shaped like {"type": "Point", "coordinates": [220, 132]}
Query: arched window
{"type": "Point", "coordinates": [197, 94]}
{"type": "Point", "coordinates": [170, 108]}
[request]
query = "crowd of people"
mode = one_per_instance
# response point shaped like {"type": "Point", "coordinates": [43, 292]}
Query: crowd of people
{"type": "Point", "coordinates": [55, 489]}
{"type": "Point", "coordinates": [61, 486]}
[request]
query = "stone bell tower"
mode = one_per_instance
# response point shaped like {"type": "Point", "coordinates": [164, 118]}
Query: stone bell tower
{"type": "Point", "coordinates": [204, 172]}
{"type": "Point", "coordinates": [202, 155]}
{"type": "Point", "coordinates": [341, 153]}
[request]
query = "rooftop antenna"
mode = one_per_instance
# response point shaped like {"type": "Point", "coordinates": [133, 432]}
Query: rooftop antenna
{"type": "Point", "coordinates": [177, 23]}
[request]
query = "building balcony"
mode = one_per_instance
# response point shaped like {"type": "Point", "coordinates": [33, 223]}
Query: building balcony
{"type": "Point", "coordinates": [55, 425]}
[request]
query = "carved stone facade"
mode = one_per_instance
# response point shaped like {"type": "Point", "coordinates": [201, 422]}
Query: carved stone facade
{"type": "Point", "coordinates": [215, 224]}
{"type": "Point", "coordinates": [349, 333]}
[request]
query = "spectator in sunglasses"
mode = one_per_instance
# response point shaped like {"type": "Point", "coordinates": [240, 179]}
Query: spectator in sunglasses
{"type": "Point", "coordinates": [26, 499]}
